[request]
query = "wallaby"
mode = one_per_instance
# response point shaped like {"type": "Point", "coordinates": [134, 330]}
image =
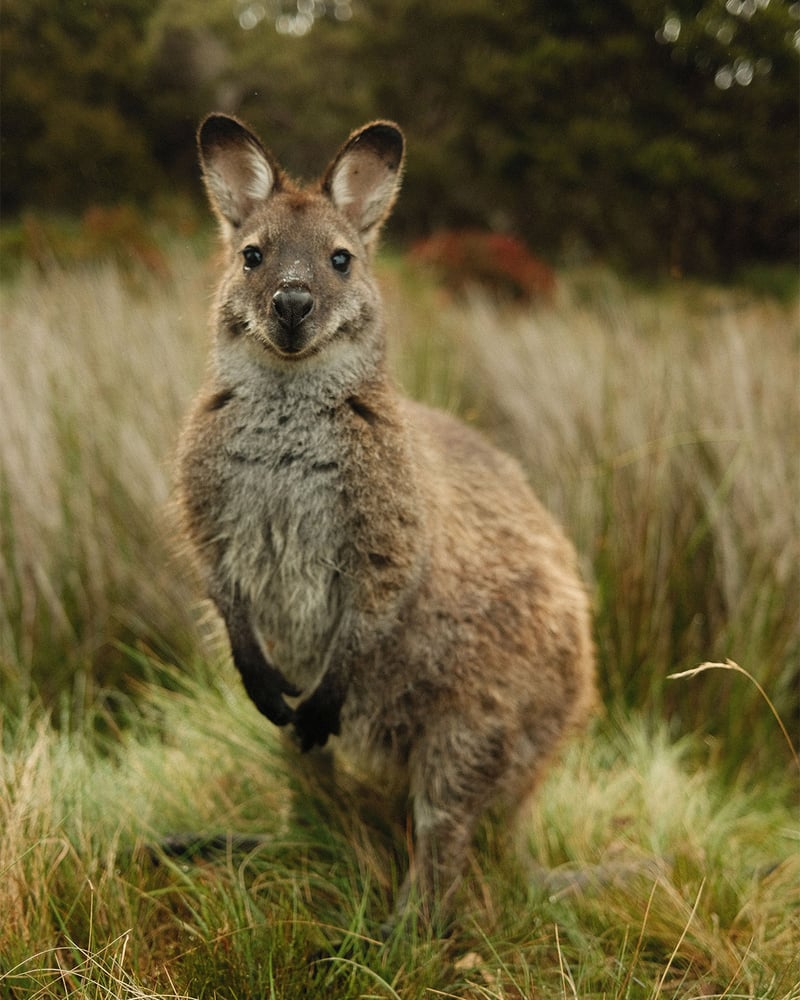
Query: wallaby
{"type": "Point", "coordinates": [388, 580]}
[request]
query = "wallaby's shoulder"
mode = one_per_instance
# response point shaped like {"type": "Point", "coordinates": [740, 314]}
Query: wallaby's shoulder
{"type": "Point", "coordinates": [469, 469]}
{"type": "Point", "coordinates": [459, 447]}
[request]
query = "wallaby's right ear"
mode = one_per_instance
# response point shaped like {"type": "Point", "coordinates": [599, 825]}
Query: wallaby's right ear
{"type": "Point", "coordinates": [237, 170]}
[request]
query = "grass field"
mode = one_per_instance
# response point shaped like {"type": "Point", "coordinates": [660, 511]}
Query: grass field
{"type": "Point", "coordinates": [663, 427]}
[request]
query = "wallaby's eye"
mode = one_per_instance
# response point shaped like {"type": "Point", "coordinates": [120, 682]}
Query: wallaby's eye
{"type": "Point", "coordinates": [252, 257]}
{"type": "Point", "coordinates": [340, 259]}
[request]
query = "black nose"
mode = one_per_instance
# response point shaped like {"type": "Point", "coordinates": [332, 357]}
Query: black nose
{"type": "Point", "coordinates": [292, 306]}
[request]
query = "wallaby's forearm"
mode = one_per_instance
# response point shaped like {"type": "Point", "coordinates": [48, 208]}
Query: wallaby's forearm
{"type": "Point", "coordinates": [264, 684]}
{"type": "Point", "coordinates": [319, 716]}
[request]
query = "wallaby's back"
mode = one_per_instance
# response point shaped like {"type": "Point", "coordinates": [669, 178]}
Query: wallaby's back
{"type": "Point", "coordinates": [371, 557]}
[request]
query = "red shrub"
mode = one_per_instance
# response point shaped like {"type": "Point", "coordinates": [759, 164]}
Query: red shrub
{"type": "Point", "coordinates": [105, 232]}
{"type": "Point", "coordinates": [495, 261]}
{"type": "Point", "coordinates": [121, 231]}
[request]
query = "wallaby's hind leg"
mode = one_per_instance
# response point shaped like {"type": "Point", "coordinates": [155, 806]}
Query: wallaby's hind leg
{"type": "Point", "coordinates": [453, 781]}
{"type": "Point", "coordinates": [441, 850]}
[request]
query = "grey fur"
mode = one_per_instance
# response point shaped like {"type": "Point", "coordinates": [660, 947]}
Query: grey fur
{"type": "Point", "coordinates": [373, 558]}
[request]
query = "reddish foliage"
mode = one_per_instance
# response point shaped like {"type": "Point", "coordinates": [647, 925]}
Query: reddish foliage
{"type": "Point", "coordinates": [495, 261]}
{"type": "Point", "coordinates": [123, 231]}
{"type": "Point", "coordinates": [105, 232]}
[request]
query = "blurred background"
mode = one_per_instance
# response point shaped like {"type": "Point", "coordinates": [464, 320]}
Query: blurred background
{"type": "Point", "coordinates": [660, 136]}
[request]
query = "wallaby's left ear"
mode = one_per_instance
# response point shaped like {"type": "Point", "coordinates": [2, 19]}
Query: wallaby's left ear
{"type": "Point", "coordinates": [364, 178]}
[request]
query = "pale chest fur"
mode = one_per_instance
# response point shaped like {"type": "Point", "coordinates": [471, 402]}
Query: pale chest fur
{"type": "Point", "coordinates": [278, 524]}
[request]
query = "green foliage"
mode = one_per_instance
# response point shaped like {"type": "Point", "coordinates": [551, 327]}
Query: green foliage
{"type": "Point", "coordinates": [74, 104]}
{"type": "Point", "coordinates": [578, 127]}
{"type": "Point", "coordinates": [120, 233]}
{"type": "Point", "coordinates": [663, 138]}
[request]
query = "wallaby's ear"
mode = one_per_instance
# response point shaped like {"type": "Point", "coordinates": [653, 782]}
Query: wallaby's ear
{"type": "Point", "coordinates": [237, 170]}
{"type": "Point", "coordinates": [363, 179]}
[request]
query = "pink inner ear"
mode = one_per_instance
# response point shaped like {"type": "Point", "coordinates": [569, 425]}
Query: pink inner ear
{"type": "Point", "coordinates": [238, 177]}
{"type": "Point", "coordinates": [262, 176]}
{"type": "Point", "coordinates": [362, 186]}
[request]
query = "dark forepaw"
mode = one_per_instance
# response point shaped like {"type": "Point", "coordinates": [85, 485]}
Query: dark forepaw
{"type": "Point", "coordinates": [266, 687]}
{"type": "Point", "coordinates": [315, 720]}
{"type": "Point", "coordinates": [277, 711]}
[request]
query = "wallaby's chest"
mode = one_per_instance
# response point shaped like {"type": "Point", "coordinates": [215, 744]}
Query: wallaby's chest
{"type": "Point", "coordinates": [280, 525]}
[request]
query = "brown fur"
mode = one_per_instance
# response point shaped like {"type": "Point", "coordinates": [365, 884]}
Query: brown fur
{"type": "Point", "coordinates": [388, 579]}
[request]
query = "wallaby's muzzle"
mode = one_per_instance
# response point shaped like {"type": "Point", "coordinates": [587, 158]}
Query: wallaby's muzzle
{"type": "Point", "coordinates": [292, 305]}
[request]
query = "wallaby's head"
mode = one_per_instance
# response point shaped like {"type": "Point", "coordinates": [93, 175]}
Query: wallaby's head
{"type": "Point", "coordinates": [297, 274]}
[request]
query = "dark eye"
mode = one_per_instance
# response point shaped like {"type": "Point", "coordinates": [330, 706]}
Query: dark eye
{"type": "Point", "coordinates": [252, 257]}
{"type": "Point", "coordinates": [340, 259]}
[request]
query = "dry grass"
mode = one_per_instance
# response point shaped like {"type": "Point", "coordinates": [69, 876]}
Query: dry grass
{"type": "Point", "coordinates": [97, 370]}
{"type": "Point", "coordinates": [664, 430]}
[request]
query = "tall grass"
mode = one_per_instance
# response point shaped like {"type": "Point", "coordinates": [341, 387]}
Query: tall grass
{"type": "Point", "coordinates": [662, 428]}
{"type": "Point", "coordinates": [97, 367]}
{"type": "Point", "coordinates": [665, 431]}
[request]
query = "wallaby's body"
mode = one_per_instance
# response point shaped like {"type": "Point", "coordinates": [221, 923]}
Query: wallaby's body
{"type": "Point", "coordinates": [373, 558]}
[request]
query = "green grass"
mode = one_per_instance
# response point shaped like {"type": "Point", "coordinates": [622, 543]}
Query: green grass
{"type": "Point", "coordinates": [715, 911]}
{"type": "Point", "coordinates": [663, 427]}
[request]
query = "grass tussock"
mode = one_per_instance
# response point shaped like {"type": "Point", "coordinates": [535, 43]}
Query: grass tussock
{"type": "Point", "coordinates": [713, 909]}
{"type": "Point", "coordinates": [663, 428]}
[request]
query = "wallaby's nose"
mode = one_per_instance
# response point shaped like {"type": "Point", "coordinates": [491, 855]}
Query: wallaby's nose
{"type": "Point", "coordinates": [292, 305]}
